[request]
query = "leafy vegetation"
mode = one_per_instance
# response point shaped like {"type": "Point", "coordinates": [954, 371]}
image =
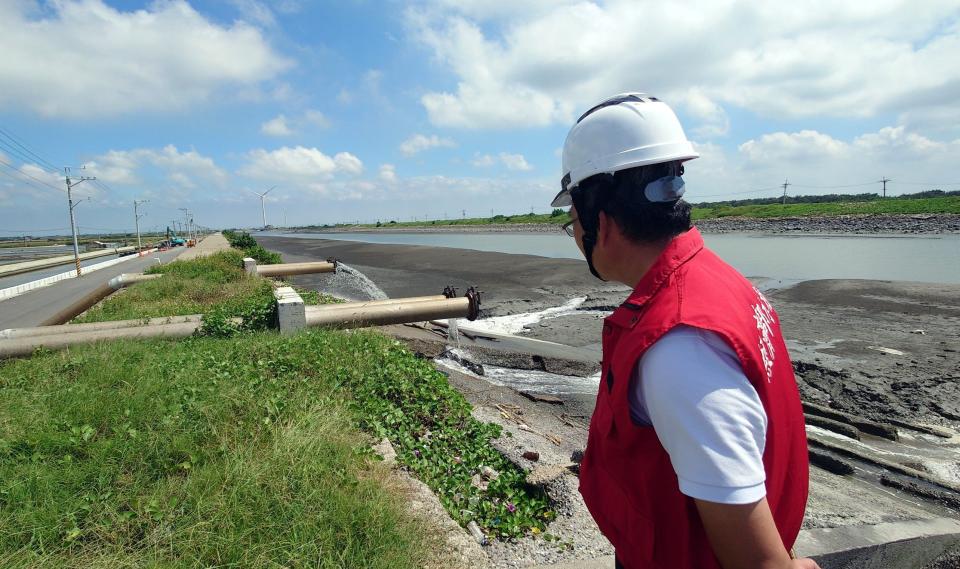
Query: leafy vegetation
{"type": "Point", "coordinates": [944, 204]}
{"type": "Point", "coordinates": [243, 241]}
{"type": "Point", "coordinates": [429, 423]}
{"type": "Point", "coordinates": [248, 451]}
{"type": "Point", "coordinates": [200, 453]}
{"type": "Point", "coordinates": [215, 286]}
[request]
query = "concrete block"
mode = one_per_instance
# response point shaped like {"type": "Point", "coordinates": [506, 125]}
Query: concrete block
{"type": "Point", "coordinates": [291, 314]}
{"type": "Point", "coordinates": [250, 265]}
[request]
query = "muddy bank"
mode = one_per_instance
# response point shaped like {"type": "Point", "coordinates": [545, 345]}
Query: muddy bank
{"type": "Point", "coordinates": [875, 347]}
{"type": "Point", "coordinates": [880, 351]}
{"type": "Point", "coordinates": [841, 224]}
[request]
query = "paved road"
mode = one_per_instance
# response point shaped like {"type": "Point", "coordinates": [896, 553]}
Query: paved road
{"type": "Point", "coordinates": [34, 307]}
{"type": "Point", "coordinates": [15, 280]}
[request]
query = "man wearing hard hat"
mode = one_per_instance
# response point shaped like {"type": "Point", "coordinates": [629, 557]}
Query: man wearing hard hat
{"type": "Point", "coordinates": [697, 454]}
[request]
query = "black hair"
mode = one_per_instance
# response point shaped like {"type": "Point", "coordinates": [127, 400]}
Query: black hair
{"type": "Point", "coordinates": [621, 196]}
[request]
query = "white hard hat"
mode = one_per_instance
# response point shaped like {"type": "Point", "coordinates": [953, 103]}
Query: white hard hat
{"type": "Point", "coordinates": [624, 131]}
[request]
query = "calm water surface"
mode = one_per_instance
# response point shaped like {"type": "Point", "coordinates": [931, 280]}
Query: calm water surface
{"type": "Point", "coordinates": [928, 258]}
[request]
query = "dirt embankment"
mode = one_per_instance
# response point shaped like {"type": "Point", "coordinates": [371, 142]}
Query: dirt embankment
{"type": "Point", "coordinates": [840, 224]}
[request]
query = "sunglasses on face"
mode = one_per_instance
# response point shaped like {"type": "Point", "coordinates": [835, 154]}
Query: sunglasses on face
{"type": "Point", "coordinates": [568, 227]}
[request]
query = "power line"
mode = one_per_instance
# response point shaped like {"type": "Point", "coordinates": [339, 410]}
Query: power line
{"type": "Point", "coordinates": [740, 193]}
{"type": "Point", "coordinates": [32, 230]}
{"type": "Point", "coordinates": [834, 187]}
{"type": "Point", "coordinates": [28, 151]}
{"type": "Point", "coordinates": [28, 176]}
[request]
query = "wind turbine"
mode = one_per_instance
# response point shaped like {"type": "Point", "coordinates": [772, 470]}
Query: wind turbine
{"type": "Point", "coordinates": [263, 209]}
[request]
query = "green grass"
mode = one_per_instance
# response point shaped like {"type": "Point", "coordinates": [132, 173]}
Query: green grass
{"type": "Point", "coordinates": [206, 452]}
{"type": "Point", "coordinates": [948, 204]}
{"type": "Point", "coordinates": [215, 285]}
{"type": "Point", "coordinates": [244, 242]}
{"type": "Point", "coordinates": [247, 451]}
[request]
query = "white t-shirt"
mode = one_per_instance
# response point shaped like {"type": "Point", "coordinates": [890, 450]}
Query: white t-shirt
{"type": "Point", "coordinates": [690, 387]}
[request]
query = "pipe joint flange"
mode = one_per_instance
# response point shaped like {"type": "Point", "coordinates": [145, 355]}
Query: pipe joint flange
{"type": "Point", "coordinates": [474, 296]}
{"type": "Point", "coordinates": [449, 292]}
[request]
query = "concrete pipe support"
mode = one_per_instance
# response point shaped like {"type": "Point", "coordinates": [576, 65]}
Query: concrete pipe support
{"type": "Point", "coordinates": [95, 296]}
{"type": "Point", "coordinates": [286, 269]}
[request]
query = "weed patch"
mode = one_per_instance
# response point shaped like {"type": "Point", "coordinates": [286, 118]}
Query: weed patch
{"type": "Point", "coordinates": [242, 240]}
{"type": "Point", "coordinates": [205, 452]}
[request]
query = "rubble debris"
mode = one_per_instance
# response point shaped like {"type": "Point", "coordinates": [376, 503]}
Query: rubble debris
{"type": "Point", "coordinates": [478, 535]}
{"type": "Point", "coordinates": [542, 398]}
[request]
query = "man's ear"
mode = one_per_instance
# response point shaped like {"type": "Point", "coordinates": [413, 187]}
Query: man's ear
{"type": "Point", "coordinates": [606, 225]}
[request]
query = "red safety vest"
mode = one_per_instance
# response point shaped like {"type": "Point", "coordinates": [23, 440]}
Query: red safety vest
{"type": "Point", "coordinates": [626, 477]}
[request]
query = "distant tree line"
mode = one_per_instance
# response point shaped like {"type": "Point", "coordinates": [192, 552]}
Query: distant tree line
{"type": "Point", "coordinates": [827, 198]}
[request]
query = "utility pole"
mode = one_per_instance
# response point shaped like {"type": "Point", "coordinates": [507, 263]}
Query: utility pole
{"type": "Point", "coordinates": [785, 184]}
{"type": "Point", "coordinates": [884, 180]}
{"type": "Point", "coordinates": [136, 220]}
{"type": "Point", "coordinates": [464, 213]}
{"type": "Point", "coordinates": [186, 219]}
{"type": "Point", "coordinates": [73, 222]}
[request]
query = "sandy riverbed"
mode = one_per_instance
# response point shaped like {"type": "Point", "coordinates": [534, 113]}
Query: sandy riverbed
{"type": "Point", "coordinates": [877, 349]}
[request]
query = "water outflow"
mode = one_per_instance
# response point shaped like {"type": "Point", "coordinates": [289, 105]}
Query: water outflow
{"type": "Point", "coordinates": [453, 332]}
{"type": "Point", "coordinates": [350, 283]}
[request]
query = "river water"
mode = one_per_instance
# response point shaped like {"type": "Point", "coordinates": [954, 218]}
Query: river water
{"type": "Point", "coordinates": [784, 258]}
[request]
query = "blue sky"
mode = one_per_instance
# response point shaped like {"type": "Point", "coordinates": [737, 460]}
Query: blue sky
{"type": "Point", "coordinates": [387, 110]}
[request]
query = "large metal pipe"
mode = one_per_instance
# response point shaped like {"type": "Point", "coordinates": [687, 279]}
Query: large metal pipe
{"type": "Point", "coordinates": [286, 269]}
{"type": "Point", "coordinates": [25, 346]}
{"type": "Point", "coordinates": [399, 312]}
{"type": "Point", "coordinates": [94, 326]}
{"type": "Point", "coordinates": [95, 296]}
{"type": "Point", "coordinates": [372, 303]}
{"type": "Point", "coordinates": [23, 342]}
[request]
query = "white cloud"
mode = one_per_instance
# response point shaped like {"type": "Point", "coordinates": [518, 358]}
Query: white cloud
{"type": "Point", "coordinates": [276, 126]}
{"type": "Point", "coordinates": [774, 59]}
{"type": "Point", "coordinates": [283, 126]}
{"type": "Point", "coordinates": [483, 161]}
{"type": "Point", "coordinates": [110, 62]}
{"type": "Point", "coordinates": [254, 11]}
{"type": "Point", "coordinates": [515, 162]}
{"type": "Point", "coordinates": [316, 118]}
{"type": "Point", "coordinates": [388, 173]}
{"type": "Point", "coordinates": [418, 143]}
{"type": "Point", "coordinates": [348, 163]}
{"type": "Point", "coordinates": [817, 163]}
{"type": "Point", "coordinates": [185, 169]}
{"type": "Point", "coordinates": [298, 164]}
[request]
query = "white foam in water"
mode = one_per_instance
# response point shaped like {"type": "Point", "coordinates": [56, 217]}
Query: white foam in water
{"type": "Point", "coordinates": [515, 323]}
{"type": "Point", "coordinates": [527, 380]}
